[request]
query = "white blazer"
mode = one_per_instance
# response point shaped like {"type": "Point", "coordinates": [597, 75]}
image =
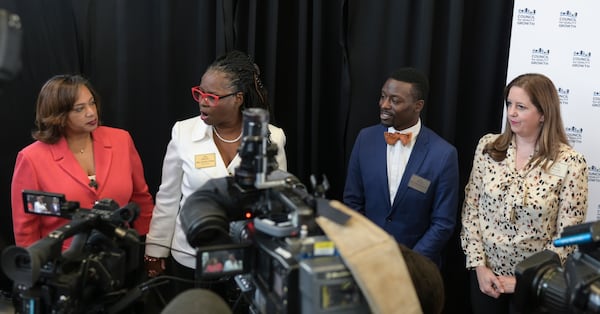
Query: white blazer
{"type": "Point", "coordinates": [192, 159]}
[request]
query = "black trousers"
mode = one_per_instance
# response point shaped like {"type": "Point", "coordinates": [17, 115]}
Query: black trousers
{"type": "Point", "coordinates": [482, 303]}
{"type": "Point", "coordinates": [183, 272]}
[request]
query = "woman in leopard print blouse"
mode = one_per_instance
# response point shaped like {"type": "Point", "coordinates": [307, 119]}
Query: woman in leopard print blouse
{"type": "Point", "coordinates": [526, 185]}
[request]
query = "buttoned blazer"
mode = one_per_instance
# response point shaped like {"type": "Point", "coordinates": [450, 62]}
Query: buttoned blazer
{"type": "Point", "coordinates": [53, 168]}
{"type": "Point", "coordinates": [423, 213]}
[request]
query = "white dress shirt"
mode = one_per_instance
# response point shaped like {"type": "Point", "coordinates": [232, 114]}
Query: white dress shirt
{"type": "Point", "coordinates": [397, 158]}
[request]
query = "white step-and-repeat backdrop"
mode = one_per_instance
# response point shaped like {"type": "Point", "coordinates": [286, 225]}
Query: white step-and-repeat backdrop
{"type": "Point", "coordinates": [561, 39]}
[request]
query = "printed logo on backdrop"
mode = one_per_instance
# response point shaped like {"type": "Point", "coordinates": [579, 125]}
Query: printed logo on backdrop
{"type": "Point", "coordinates": [563, 95]}
{"type": "Point", "coordinates": [574, 134]}
{"type": "Point", "coordinates": [567, 19]}
{"type": "Point", "coordinates": [526, 17]}
{"type": "Point", "coordinates": [596, 99]}
{"type": "Point", "coordinates": [581, 59]}
{"type": "Point", "coordinates": [593, 174]}
{"type": "Point", "coordinates": [540, 56]}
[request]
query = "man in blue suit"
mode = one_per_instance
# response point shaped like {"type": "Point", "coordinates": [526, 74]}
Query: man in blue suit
{"type": "Point", "coordinates": [402, 175]}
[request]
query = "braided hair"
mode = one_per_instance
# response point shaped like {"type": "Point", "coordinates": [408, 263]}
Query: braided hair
{"type": "Point", "coordinates": [244, 75]}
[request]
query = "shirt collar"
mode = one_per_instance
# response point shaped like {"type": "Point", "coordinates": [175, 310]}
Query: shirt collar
{"type": "Point", "coordinates": [415, 129]}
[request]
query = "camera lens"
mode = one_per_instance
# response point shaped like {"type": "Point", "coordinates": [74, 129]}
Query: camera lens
{"type": "Point", "coordinates": [552, 290]}
{"type": "Point", "coordinates": [541, 284]}
{"type": "Point", "coordinates": [23, 262]}
{"type": "Point", "coordinates": [204, 220]}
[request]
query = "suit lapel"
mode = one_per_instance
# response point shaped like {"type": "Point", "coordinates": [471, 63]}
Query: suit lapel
{"type": "Point", "coordinates": [102, 157]}
{"type": "Point", "coordinates": [67, 162]}
{"type": "Point", "coordinates": [417, 156]}
{"type": "Point", "coordinates": [380, 164]}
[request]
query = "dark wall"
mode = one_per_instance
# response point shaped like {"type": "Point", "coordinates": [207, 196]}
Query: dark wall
{"type": "Point", "coordinates": [323, 63]}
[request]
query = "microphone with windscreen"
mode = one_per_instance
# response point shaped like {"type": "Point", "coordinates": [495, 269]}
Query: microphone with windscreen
{"type": "Point", "coordinates": [197, 301]}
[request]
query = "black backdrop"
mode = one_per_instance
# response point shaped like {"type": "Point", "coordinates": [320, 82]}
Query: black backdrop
{"type": "Point", "coordinates": [323, 62]}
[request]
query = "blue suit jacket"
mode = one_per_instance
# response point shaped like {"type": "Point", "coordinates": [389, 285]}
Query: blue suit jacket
{"type": "Point", "coordinates": [423, 214]}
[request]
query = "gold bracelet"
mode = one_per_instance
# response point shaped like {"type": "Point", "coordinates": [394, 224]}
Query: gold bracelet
{"type": "Point", "coordinates": [151, 259]}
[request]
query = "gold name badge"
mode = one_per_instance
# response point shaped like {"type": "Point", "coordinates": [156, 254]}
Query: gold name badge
{"type": "Point", "coordinates": [205, 160]}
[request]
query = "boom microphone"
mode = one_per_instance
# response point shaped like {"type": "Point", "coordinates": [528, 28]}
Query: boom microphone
{"type": "Point", "coordinates": [197, 301]}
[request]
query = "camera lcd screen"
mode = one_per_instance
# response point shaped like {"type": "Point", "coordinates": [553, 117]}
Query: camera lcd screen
{"type": "Point", "coordinates": [43, 203]}
{"type": "Point", "coordinates": [222, 260]}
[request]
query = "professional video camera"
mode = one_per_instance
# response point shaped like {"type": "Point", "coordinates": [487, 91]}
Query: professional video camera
{"type": "Point", "coordinates": [543, 286]}
{"type": "Point", "coordinates": [258, 230]}
{"type": "Point", "coordinates": [91, 275]}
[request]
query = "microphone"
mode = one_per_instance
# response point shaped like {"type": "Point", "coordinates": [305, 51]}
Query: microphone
{"type": "Point", "coordinates": [197, 301]}
{"type": "Point", "coordinates": [93, 184]}
{"type": "Point", "coordinates": [116, 222]}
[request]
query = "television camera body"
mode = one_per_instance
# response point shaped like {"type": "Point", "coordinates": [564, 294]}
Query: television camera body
{"type": "Point", "coordinates": [91, 275]}
{"type": "Point", "coordinates": [546, 286]}
{"type": "Point", "coordinates": [265, 219]}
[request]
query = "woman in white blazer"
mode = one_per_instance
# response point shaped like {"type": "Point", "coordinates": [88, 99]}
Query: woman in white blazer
{"type": "Point", "coordinates": [203, 148]}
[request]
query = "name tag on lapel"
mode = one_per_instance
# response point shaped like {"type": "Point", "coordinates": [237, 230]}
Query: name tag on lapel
{"type": "Point", "coordinates": [205, 160]}
{"type": "Point", "coordinates": [419, 183]}
{"type": "Point", "coordinates": [559, 169]}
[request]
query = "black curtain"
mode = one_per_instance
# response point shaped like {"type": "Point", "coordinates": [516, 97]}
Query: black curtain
{"type": "Point", "coordinates": [323, 62]}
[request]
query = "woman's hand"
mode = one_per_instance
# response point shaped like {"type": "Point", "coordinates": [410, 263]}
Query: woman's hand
{"type": "Point", "coordinates": [489, 282]}
{"type": "Point", "coordinates": [508, 283]}
{"type": "Point", "coordinates": [154, 265]}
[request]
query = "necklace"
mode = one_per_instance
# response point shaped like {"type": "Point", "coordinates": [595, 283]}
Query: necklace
{"type": "Point", "coordinates": [228, 141]}
{"type": "Point", "coordinates": [80, 150]}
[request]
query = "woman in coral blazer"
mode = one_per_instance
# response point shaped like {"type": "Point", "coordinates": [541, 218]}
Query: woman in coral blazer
{"type": "Point", "coordinates": [76, 157]}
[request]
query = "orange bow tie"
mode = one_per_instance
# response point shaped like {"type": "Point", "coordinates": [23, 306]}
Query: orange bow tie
{"type": "Point", "coordinates": [393, 138]}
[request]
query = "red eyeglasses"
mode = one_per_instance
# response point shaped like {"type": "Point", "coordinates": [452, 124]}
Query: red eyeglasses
{"type": "Point", "coordinates": [211, 99]}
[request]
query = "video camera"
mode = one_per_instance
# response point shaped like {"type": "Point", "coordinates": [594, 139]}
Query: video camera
{"type": "Point", "coordinates": [91, 275]}
{"type": "Point", "coordinates": [544, 286]}
{"type": "Point", "coordinates": [261, 222]}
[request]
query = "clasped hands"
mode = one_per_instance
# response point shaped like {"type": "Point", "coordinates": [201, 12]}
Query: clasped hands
{"type": "Point", "coordinates": [493, 285]}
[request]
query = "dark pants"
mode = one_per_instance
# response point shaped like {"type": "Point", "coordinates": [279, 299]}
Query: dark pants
{"type": "Point", "coordinates": [484, 304]}
{"type": "Point", "coordinates": [182, 272]}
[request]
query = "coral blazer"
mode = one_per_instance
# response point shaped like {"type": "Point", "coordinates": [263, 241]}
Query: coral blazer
{"type": "Point", "coordinates": [53, 168]}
